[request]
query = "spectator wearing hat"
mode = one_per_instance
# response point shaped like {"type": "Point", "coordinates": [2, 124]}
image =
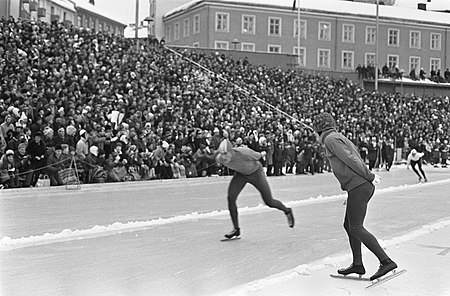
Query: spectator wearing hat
{"type": "Point", "coordinates": [9, 177]}
{"type": "Point", "coordinates": [82, 148]}
{"type": "Point", "coordinates": [56, 162]}
{"type": "Point", "coordinates": [23, 165]}
{"type": "Point", "coordinates": [90, 163]}
{"type": "Point", "coordinates": [49, 139]}
{"type": "Point", "coordinates": [37, 151]}
{"type": "Point", "coordinates": [6, 126]}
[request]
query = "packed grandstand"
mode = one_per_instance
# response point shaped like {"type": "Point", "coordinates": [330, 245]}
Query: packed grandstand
{"type": "Point", "coordinates": [80, 106]}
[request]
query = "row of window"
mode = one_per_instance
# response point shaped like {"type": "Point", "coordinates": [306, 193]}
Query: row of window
{"type": "Point", "coordinates": [92, 23]}
{"type": "Point", "coordinates": [248, 27]}
{"type": "Point", "coordinates": [324, 56]}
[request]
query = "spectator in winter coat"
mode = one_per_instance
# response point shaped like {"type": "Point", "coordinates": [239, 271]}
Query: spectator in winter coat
{"type": "Point", "coordinates": [23, 165]}
{"type": "Point", "coordinates": [37, 151]}
{"type": "Point", "coordinates": [55, 163]}
{"type": "Point", "coordinates": [82, 149]}
{"type": "Point", "coordinates": [388, 153]}
{"type": "Point", "coordinates": [9, 173]}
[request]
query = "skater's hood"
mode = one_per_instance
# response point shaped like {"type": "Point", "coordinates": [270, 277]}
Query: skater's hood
{"type": "Point", "coordinates": [225, 146]}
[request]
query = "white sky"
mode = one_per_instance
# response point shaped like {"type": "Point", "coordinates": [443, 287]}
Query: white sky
{"type": "Point", "coordinates": [124, 10]}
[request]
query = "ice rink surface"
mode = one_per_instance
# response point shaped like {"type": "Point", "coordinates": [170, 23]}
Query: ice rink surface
{"type": "Point", "coordinates": [163, 237]}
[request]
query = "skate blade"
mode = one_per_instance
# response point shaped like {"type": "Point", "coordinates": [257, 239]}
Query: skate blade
{"type": "Point", "coordinates": [230, 239]}
{"type": "Point", "coordinates": [387, 277]}
{"type": "Point", "coordinates": [350, 277]}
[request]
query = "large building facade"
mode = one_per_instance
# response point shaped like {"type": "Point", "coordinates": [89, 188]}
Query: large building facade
{"type": "Point", "coordinates": [80, 13]}
{"type": "Point", "coordinates": [335, 35]}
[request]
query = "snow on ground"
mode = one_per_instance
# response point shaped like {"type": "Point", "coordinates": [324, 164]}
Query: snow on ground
{"type": "Point", "coordinates": [163, 238]}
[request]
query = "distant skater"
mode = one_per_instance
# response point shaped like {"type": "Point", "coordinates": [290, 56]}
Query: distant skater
{"type": "Point", "coordinates": [247, 169]}
{"type": "Point", "coordinates": [355, 178]}
{"type": "Point", "coordinates": [414, 158]}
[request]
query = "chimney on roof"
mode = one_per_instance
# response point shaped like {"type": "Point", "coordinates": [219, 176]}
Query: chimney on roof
{"type": "Point", "coordinates": [92, 2]}
{"type": "Point", "coordinates": [422, 6]}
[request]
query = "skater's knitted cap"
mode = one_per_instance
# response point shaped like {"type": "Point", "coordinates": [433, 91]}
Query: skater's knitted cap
{"type": "Point", "coordinates": [225, 146]}
{"type": "Point", "coordinates": [324, 121]}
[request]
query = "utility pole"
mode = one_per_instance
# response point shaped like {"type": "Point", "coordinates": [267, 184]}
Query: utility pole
{"type": "Point", "coordinates": [376, 48]}
{"type": "Point", "coordinates": [136, 27]}
{"type": "Point", "coordinates": [298, 31]}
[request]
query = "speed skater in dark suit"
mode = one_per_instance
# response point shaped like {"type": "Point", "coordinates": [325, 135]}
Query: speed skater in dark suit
{"type": "Point", "coordinates": [247, 169]}
{"type": "Point", "coordinates": [355, 178]}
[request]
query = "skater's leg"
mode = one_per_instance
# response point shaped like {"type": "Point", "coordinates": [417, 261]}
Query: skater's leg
{"type": "Point", "coordinates": [237, 183]}
{"type": "Point", "coordinates": [419, 165]}
{"type": "Point", "coordinates": [413, 166]}
{"type": "Point", "coordinates": [355, 243]}
{"type": "Point", "coordinates": [259, 180]}
{"type": "Point", "coordinates": [357, 201]}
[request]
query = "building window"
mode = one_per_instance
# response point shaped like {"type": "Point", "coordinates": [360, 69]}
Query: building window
{"type": "Point", "coordinates": [302, 55]}
{"type": "Point", "coordinates": [196, 24]}
{"type": "Point", "coordinates": [176, 32]}
{"type": "Point", "coordinates": [248, 46]}
{"type": "Point", "coordinates": [393, 37]}
{"type": "Point", "coordinates": [392, 61]}
{"type": "Point", "coordinates": [435, 64]}
{"type": "Point", "coordinates": [79, 21]}
{"type": "Point", "coordinates": [186, 24]}
{"type": "Point", "coordinates": [323, 58]}
{"type": "Point", "coordinates": [167, 34]}
{"type": "Point", "coordinates": [100, 27]}
{"type": "Point", "coordinates": [196, 44]}
{"type": "Point", "coordinates": [248, 24]}
{"type": "Point", "coordinates": [274, 48]}
{"type": "Point", "coordinates": [347, 60]}
{"type": "Point", "coordinates": [222, 22]}
{"type": "Point", "coordinates": [302, 29]}
{"type": "Point", "coordinates": [414, 39]}
{"type": "Point", "coordinates": [324, 31]}
{"type": "Point", "coordinates": [369, 59]}
{"type": "Point", "coordinates": [274, 26]}
{"type": "Point", "coordinates": [221, 45]}
{"type": "Point", "coordinates": [371, 35]}
{"type": "Point", "coordinates": [414, 64]}
{"type": "Point", "coordinates": [348, 33]}
{"type": "Point", "coordinates": [435, 41]}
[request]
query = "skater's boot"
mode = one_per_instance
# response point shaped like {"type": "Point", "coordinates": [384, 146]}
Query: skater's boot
{"type": "Point", "coordinates": [385, 266]}
{"type": "Point", "coordinates": [233, 233]}
{"type": "Point", "coordinates": [290, 217]}
{"type": "Point", "coordinates": [358, 269]}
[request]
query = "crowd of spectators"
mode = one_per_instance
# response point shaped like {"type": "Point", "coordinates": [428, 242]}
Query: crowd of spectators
{"type": "Point", "coordinates": [74, 101]}
{"type": "Point", "coordinates": [394, 72]}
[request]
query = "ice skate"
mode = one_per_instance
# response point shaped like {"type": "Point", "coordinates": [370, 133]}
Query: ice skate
{"type": "Point", "coordinates": [358, 269]}
{"type": "Point", "coordinates": [290, 217]}
{"type": "Point", "coordinates": [233, 234]}
{"type": "Point", "coordinates": [384, 269]}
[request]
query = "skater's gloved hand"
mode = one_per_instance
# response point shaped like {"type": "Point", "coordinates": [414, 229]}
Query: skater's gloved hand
{"type": "Point", "coordinates": [377, 179]}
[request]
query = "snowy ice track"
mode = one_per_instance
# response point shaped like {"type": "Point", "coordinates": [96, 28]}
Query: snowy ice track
{"type": "Point", "coordinates": [8, 243]}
